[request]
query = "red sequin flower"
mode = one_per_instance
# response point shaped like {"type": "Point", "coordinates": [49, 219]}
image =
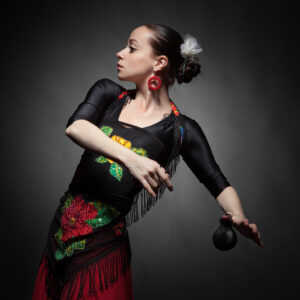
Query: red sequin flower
{"type": "Point", "coordinates": [74, 217]}
{"type": "Point", "coordinates": [116, 228]}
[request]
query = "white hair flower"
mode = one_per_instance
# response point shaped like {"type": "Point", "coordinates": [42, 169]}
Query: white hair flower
{"type": "Point", "coordinates": [190, 48]}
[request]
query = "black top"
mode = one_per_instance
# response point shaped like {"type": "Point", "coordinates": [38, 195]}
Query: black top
{"type": "Point", "coordinates": [195, 149]}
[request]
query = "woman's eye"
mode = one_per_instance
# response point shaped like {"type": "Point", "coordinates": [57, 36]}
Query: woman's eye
{"type": "Point", "coordinates": [131, 49]}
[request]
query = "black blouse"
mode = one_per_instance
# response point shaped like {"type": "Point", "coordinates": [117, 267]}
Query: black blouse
{"type": "Point", "coordinates": [195, 149]}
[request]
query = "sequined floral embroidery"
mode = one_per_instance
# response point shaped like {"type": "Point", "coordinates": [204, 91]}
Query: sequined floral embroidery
{"type": "Point", "coordinates": [115, 169]}
{"type": "Point", "coordinates": [78, 219]}
{"type": "Point", "coordinates": [105, 214]}
{"type": "Point", "coordinates": [74, 217]}
{"type": "Point", "coordinates": [117, 228]}
{"type": "Point", "coordinates": [66, 250]}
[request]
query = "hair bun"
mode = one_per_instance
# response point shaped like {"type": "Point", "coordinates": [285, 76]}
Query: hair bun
{"type": "Point", "coordinates": [188, 70]}
{"type": "Point", "coordinates": [182, 53]}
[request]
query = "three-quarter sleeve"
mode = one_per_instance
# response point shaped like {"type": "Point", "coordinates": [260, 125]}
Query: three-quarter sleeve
{"type": "Point", "coordinates": [102, 93]}
{"type": "Point", "coordinates": [197, 154]}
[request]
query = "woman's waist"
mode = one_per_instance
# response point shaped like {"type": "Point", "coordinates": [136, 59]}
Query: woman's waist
{"type": "Point", "coordinates": [80, 216]}
{"type": "Point", "coordinates": [114, 198]}
{"type": "Point", "coordinates": [73, 237]}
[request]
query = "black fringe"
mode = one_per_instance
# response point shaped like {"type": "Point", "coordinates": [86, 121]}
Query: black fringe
{"type": "Point", "coordinates": [146, 200]}
{"type": "Point", "coordinates": [110, 268]}
{"type": "Point", "coordinates": [52, 283]}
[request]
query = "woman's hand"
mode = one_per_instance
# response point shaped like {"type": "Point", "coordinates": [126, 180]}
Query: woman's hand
{"type": "Point", "coordinates": [241, 223]}
{"type": "Point", "coordinates": [148, 172]}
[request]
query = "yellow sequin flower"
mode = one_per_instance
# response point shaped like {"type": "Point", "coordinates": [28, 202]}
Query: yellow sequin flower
{"type": "Point", "coordinates": [115, 169]}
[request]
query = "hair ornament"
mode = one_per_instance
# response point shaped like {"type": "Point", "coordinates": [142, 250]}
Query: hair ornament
{"type": "Point", "coordinates": [190, 49]}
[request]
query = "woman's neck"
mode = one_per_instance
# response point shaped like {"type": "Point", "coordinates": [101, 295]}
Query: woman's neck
{"type": "Point", "coordinates": [148, 100]}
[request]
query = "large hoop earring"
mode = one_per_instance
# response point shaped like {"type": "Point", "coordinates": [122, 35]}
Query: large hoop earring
{"type": "Point", "coordinates": [153, 79]}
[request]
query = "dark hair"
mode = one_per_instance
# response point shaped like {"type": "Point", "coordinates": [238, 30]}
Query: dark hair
{"type": "Point", "coordinates": [167, 41]}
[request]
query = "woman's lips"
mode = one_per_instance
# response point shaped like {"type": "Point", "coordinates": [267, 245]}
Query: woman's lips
{"type": "Point", "coordinates": [119, 66]}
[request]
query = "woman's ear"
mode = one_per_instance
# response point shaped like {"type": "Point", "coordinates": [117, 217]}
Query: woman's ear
{"type": "Point", "coordinates": [161, 63]}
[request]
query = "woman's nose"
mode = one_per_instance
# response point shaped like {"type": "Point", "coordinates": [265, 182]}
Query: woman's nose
{"type": "Point", "coordinates": [118, 55]}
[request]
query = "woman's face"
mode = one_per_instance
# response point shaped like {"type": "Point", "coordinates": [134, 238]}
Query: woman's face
{"type": "Point", "coordinates": [136, 59]}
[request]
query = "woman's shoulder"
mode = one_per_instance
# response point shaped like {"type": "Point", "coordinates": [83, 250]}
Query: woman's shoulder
{"type": "Point", "coordinates": [110, 86]}
{"type": "Point", "coordinates": [193, 129]}
{"type": "Point", "coordinates": [189, 122]}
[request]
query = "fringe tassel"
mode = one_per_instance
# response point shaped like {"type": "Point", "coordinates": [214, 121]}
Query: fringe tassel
{"type": "Point", "coordinates": [109, 268]}
{"type": "Point", "coordinates": [147, 201]}
{"type": "Point", "coordinates": [52, 284]}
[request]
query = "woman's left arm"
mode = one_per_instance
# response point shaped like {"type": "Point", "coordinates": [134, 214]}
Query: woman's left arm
{"type": "Point", "coordinates": [229, 201]}
{"type": "Point", "coordinates": [197, 154]}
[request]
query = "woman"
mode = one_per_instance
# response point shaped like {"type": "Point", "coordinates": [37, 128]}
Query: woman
{"type": "Point", "coordinates": [133, 140]}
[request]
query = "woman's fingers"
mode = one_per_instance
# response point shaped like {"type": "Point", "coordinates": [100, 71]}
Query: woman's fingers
{"type": "Point", "coordinates": [150, 174]}
{"type": "Point", "coordinates": [148, 187]}
{"type": "Point", "coordinates": [153, 181]}
{"type": "Point", "coordinates": [249, 230]}
{"type": "Point", "coordinates": [252, 233]}
{"type": "Point", "coordinates": [165, 178]}
{"type": "Point", "coordinates": [253, 227]}
{"type": "Point", "coordinates": [256, 235]}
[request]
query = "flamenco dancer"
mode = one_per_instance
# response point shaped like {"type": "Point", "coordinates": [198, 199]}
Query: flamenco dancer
{"type": "Point", "coordinates": [133, 141]}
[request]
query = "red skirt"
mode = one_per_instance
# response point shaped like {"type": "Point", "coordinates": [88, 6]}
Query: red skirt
{"type": "Point", "coordinates": [120, 290]}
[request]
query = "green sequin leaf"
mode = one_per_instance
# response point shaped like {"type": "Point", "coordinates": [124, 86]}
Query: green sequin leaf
{"type": "Point", "coordinates": [101, 159]}
{"type": "Point", "coordinates": [101, 220]}
{"type": "Point", "coordinates": [59, 255]}
{"type": "Point", "coordinates": [67, 203]}
{"type": "Point", "coordinates": [107, 130]}
{"type": "Point", "coordinates": [140, 151]}
{"type": "Point", "coordinates": [58, 236]}
{"type": "Point", "coordinates": [104, 216]}
{"type": "Point", "coordinates": [98, 222]}
{"type": "Point", "coordinates": [62, 252]}
{"type": "Point", "coordinates": [116, 171]}
{"type": "Point", "coordinates": [98, 205]}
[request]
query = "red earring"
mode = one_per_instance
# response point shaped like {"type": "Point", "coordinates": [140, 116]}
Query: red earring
{"type": "Point", "coordinates": [153, 79]}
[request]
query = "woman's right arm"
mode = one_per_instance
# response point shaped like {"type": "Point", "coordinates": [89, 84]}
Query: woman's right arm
{"type": "Point", "coordinates": [81, 128]}
{"type": "Point", "coordinates": [90, 137]}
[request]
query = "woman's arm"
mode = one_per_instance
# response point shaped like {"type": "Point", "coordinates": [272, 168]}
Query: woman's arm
{"type": "Point", "coordinates": [90, 137]}
{"type": "Point", "coordinates": [146, 170]}
{"type": "Point", "coordinates": [81, 126]}
{"type": "Point", "coordinates": [100, 95]}
{"type": "Point", "coordinates": [230, 202]}
{"type": "Point", "coordinates": [198, 155]}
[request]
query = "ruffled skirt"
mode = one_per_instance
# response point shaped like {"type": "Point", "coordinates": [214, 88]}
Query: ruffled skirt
{"type": "Point", "coordinates": [121, 289]}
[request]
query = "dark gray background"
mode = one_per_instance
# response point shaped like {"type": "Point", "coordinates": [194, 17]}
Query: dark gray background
{"type": "Point", "coordinates": [246, 101]}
